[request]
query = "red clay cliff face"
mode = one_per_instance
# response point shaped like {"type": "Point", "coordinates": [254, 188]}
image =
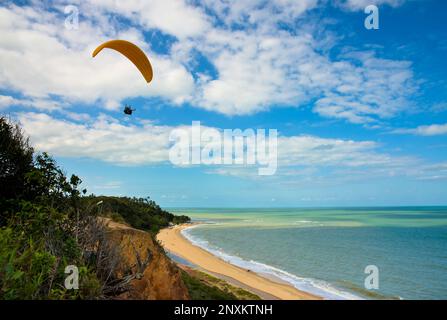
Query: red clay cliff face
{"type": "Point", "coordinates": [161, 280]}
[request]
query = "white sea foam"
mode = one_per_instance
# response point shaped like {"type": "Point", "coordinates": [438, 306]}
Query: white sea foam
{"type": "Point", "coordinates": [303, 222]}
{"type": "Point", "coordinates": [314, 286]}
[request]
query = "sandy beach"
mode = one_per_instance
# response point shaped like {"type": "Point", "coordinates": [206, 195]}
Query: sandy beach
{"type": "Point", "coordinates": [173, 241]}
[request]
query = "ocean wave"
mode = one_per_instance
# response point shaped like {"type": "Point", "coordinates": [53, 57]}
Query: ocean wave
{"type": "Point", "coordinates": [304, 222]}
{"type": "Point", "coordinates": [318, 287]}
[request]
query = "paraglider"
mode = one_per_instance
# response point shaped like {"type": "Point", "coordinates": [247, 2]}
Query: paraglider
{"type": "Point", "coordinates": [128, 110]}
{"type": "Point", "coordinates": [131, 52]}
{"type": "Point", "coordinates": [135, 55]}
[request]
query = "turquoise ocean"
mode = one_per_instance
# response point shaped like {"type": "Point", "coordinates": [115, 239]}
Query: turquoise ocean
{"type": "Point", "coordinates": [325, 251]}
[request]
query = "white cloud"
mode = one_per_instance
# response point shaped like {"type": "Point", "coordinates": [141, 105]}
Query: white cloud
{"type": "Point", "coordinates": [362, 4]}
{"type": "Point", "coordinates": [263, 14]}
{"type": "Point", "coordinates": [174, 17]}
{"type": "Point", "coordinates": [435, 172]}
{"type": "Point", "coordinates": [144, 143]}
{"type": "Point", "coordinates": [39, 104]}
{"type": "Point", "coordinates": [261, 67]}
{"type": "Point", "coordinates": [315, 151]}
{"type": "Point", "coordinates": [429, 130]}
{"type": "Point", "coordinates": [108, 185]}
{"type": "Point", "coordinates": [366, 88]}
{"type": "Point", "coordinates": [6, 101]}
{"type": "Point", "coordinates": [301, 159]}
{"type": "Point", "coordinates": [439, 107]}
{"type": "Point", "coordinates": [257, 72]}
{"type": "Point", "coordinates": [77, 116]}
{"type": "Point", "coordinates": [103, 139]}
{"type": "Point", "coordinates": [311, 159]}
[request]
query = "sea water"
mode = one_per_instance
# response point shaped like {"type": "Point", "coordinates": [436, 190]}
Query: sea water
{"type": "Point", "coordinates": [325, 251]}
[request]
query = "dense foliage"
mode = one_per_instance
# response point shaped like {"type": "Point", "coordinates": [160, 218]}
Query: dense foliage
{"type": "Point", "coordinates": [140, 213]}
{"type": "Point", "coordinates": [39, 224]}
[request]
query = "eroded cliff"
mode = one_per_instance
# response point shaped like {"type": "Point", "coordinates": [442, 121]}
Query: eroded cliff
{"type": "Point", "coordinates": [160, 279]}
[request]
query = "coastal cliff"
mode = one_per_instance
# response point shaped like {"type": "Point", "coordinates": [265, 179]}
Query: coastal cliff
{"type": "Point", "coordinates": [160, 280]}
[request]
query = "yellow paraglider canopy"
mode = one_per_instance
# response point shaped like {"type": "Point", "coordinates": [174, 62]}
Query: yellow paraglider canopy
{"type": "Point", "coordinates": [131, 52]}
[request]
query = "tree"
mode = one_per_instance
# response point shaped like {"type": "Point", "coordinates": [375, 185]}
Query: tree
{"type": "Point", "coordinates": [16, 160]}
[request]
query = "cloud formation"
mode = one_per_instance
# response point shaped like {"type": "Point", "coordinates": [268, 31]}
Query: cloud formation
{"type": "Point", "coordinates": [428, 130]}
{"type": "Point", "coordinates": [362, 4]}
{"type": "Point", "coordinates": [256, 63]}
{"type": "Point", "coordinates": [145, 143]}
{"type": "Point", "coordinates": [41, 59]}
{"type": "Point", "coordinates": [104, 139]}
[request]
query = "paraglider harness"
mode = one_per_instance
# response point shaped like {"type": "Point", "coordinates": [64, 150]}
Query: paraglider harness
{"type": "Point", "coordinates": [128, 110]}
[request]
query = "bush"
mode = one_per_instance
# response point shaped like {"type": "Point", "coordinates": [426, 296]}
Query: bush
{"type": "Point", "coordinates": [16, 160]}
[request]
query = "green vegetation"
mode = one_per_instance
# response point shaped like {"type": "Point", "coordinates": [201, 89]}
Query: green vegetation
{"type": "Point", "coordinates": [199, 290]}
{"type": "Point", "coordinates": [47, 223]}
{"type": "Point", "coordinates": [239, 293]}
{"type": "Point", "coordinates": [39, 224]}
{"type": "Point", "coordinates": [140, 213]}
{"type": "Point", "coordinates": [202, 286]}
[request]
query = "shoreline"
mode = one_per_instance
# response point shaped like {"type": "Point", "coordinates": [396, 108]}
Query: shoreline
{"type": "Point", "coordinates": [173, 241]}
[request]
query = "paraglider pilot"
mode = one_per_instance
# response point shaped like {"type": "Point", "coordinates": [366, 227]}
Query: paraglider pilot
{"type": "Point", "coordinates": [128, 110]}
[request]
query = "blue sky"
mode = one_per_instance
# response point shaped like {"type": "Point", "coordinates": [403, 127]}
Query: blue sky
{"type": "Point", "coordinates": [361, 114]}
